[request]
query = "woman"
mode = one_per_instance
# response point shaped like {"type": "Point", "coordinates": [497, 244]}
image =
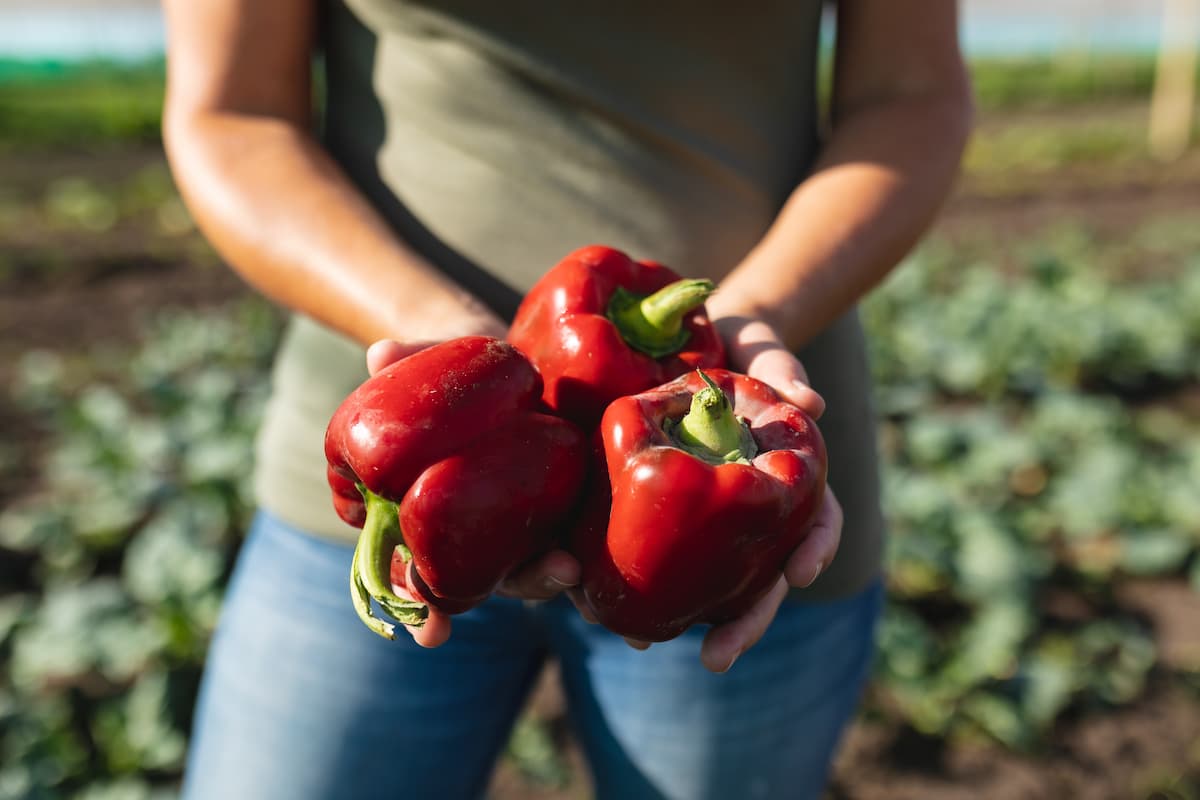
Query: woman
{"type": "Point", "coordinates": [462, 149]}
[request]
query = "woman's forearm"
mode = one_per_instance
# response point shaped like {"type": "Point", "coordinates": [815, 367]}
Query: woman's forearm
{"type": "Point", "coordinates": [286, 218]}
{"type": "Point", "coordinates": [879, 183]}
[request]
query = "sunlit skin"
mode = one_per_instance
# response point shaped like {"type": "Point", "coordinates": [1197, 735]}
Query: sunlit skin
{"type": "Point", "coordinates": [281, 211]}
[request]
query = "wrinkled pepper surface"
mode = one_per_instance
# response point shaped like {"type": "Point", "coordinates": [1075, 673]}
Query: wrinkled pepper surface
{"type": "Point", "coordinates": [455, 477]}
{"type": "Point", "coordinates": [714, 480]}
{"type": "Point", "coordinates": [600, 325]}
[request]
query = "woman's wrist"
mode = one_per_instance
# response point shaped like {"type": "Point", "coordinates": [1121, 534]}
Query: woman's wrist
{"type": "Point", "coordinates": [443, 316]}
{"type": "Point", "coordinates": [739, 313]}
{"type": "Point", "coordinates": [467, 315]}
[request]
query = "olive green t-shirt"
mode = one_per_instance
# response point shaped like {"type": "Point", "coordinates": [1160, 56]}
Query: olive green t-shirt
{"type": "Point", "coordinates": [497, 137]}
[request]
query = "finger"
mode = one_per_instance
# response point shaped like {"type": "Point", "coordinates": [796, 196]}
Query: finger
{"type": "Point", "coordinates": [776, 366]}
{"type": "Point", "coordinates": [543, 578]}
{"type": "Point", "coordinates": [434, 632]}
{"type": "Point", "coordinates": [387, 351]}
{"type": "Point", "coordinates": [725, 642]}
{"type": "Point", "coordinates": [756, 349]}
{"type": "Point", "coordinates": [637, 644]}
{"type": "Point", "coordinates": [817, 550]}
{"type": "Point", "coordinates": [581, 605]}
{"type": "Point", "coordinates": [769, 354]}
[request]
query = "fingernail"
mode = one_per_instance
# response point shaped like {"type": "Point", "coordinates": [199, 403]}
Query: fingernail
{"type": "Point", "coordinates": [729, 666]}
{"type": "Point", "coordinates": [816, 574]}
{"type": "Point", "coordinates": [553, 584]}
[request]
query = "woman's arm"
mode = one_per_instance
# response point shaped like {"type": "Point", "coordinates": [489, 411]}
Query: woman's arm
{"type": "Point", "coordinates": [285, 216]}
{"type": "Point", "coordinates": [901, 115]}
{"type": "Point", "coordinates": [270, 199]}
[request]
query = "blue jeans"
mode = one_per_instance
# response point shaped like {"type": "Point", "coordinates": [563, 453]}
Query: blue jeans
{"type": "Point", "coordinates": [301, 702]}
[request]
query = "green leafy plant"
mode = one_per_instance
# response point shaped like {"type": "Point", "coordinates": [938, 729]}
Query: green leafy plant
{"type": "Point", "coordinates": [127, 538]}
{"type": "Point", "coordinates": [1018, 466]}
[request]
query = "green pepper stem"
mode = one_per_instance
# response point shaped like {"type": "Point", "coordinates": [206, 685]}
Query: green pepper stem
{"type": "Point", "coordinates": [710, 429]}
{"type": "Point", "coordinates": [370, 573]}
{"type": "Point", "coordinates": [654, 324]}
{"type": "Point", "coordinates": [362, 601]}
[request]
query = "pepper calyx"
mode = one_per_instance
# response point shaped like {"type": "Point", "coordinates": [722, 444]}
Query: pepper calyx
{"type": "Point", "coordinates": [710, 430]}
{"type": "Point", "coordinates": [653, 324]}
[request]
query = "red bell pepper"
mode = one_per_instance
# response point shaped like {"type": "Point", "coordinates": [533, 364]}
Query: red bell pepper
{"type": "Point", "coordinates": [708, 499]}
{"type": "Point", "coordinates": [444, 461]}
{"type": "Point", "coordinates": [600, 325]}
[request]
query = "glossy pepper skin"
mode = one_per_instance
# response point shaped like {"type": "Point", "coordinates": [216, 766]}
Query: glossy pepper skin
{"type": "Point", "coordinates": [445, 461]}
{"type": "Point", "coordinates": [600, 325]}
{"type": "Point", "coordinates": [696, 529]}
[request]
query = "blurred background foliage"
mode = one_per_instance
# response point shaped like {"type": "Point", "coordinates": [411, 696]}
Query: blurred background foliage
{"type": "Point", "coordinates": [49, 105]}
{"type": "Point", "coordinates": [1040, 395]}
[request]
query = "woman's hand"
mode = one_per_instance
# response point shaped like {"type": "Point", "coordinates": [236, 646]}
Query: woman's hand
{"type": "Point", "coordinates": [541, 579]}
